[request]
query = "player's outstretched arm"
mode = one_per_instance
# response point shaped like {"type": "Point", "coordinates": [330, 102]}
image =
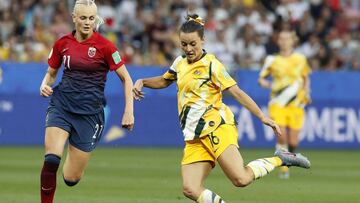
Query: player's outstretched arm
{"type": "Point", "coordinates": [128, 117]}
{"type": "Point", "coordinates": [154, 83]}
{"type": "Point", "coordinates": [250, 105]}
{"type": "Point", "coordinates": [48, 81]}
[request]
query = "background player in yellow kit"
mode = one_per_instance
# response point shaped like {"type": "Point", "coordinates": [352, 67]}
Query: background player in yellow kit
{"type": "Point", "coordinates": [207, 123]}
{"type": "Point", "coordinates": [289, 91]}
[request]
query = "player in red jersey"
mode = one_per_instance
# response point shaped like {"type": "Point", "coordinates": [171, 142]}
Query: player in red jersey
{"type": "Point", "coordinates": [75, 113]}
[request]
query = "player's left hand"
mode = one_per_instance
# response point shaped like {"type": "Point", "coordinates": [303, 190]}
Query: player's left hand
{"type": "Point", "coordinates": [267, 121]}
{"type": "Point", "coordinates": [128, 121]}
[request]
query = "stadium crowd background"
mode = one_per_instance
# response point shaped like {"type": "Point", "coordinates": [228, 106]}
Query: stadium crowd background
{"type": "Point", "coordinates": [241, 33]}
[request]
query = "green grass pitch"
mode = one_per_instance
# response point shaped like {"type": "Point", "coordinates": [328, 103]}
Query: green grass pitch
{"type": "Point", "coordinates": [147, 175]}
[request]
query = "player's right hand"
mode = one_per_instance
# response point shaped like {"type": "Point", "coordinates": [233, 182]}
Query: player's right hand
{"type": "Point", "coordinates": [46, 90]}
{"type": "Point", "coordinates": [138, 94]}
{"type": "Point", "coordinates": [269, 122]}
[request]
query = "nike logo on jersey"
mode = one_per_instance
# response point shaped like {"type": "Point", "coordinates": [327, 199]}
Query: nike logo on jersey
{"type": "Point", "coordinates": [64, 50]}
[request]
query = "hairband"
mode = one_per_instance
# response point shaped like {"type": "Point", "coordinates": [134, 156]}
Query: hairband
{"type": "Point", "coordinates": [198, 20]}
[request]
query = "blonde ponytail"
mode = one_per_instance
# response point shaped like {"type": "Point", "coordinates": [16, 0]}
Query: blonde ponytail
{"type": "Point", "coordinates": [98, 21]}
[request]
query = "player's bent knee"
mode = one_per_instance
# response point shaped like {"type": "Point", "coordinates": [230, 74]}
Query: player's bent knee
{"type": "Point", "coordinates": [240, 182]}
{"type": "Point", "coordinates": [71, 183]}
{"type": "Point", "coordinates": [190, 192]}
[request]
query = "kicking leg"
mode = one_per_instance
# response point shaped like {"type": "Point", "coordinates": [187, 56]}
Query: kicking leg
{"type": "Point", "coordinates": [233, 166]}
{"type": "Point", "coordinates": [241, 176]}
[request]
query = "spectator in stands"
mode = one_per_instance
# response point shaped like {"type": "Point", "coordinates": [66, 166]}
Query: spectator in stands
{"type": "Point", "coordinates": [44, 11]}
{"type": "Point", "coordinates": [7, 25]}
{"type": "Point", "coordinates": [142, 22]}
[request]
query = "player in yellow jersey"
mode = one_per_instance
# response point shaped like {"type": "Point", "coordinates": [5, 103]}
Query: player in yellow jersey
{"type": "Point", "coordinates": [289, 91]}
{"type": "Point", "coordinates": [208, 125]}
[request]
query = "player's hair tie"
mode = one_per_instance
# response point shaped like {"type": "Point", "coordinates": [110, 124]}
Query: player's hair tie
{"type": "Point", "coordinates": [197, 20]}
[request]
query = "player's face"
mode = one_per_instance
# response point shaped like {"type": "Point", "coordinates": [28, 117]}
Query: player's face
{"type": "Point", "coordinates": [192, 45]}
{"type": "Point", "coordinates": [286, 40]}
{"type": "Point", "coordinates": [84, 19]}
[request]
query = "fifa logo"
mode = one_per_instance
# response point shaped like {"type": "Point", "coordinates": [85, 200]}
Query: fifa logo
{"type": "Point", "coordinates": [91, 52]}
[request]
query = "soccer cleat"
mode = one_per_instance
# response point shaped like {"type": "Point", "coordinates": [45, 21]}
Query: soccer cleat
{"type": "Point", "coordinates": [292, 159]}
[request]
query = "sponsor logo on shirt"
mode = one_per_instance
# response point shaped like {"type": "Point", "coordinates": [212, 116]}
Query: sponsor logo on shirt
{"type": "Point", "coordinates": [91, 52]}
{"type": "Point", "coordinates": [197, 72]}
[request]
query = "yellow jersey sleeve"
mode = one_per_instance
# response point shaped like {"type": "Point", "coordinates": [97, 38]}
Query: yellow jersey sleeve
{"type": "Point", "coordinates": [266, 70]}
{"type": "Point", "coordinates": [220, 76]}
{"type": "Point", "coordinates": [171, 73]}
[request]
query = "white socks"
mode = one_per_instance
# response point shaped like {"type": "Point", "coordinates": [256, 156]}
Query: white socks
{"type": "Point", "coordinates": [208, 196]}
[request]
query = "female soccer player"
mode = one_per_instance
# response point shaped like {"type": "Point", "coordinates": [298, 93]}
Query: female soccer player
{"type": "Point", "coordinates": [208, 125]}
{"type": "Point", "coordinates": [289, 91]}
{"type": "Point", "coordinates": [75, 113]}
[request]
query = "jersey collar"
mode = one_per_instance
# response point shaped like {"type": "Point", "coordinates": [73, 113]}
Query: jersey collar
{"type": "Point", "coordinates": [202, 56]}
{"type": "Point", "coordinates": [93, 36]}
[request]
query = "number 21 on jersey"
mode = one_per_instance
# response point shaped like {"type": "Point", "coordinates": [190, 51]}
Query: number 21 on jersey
{"type": "Point", "coordinates": [66, 61]}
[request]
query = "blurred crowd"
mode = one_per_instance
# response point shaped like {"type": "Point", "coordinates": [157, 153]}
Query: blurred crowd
{"type": "Point", "coordinates": [241, 33]}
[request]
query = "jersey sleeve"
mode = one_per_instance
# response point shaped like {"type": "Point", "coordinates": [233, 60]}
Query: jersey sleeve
{"type": "Point", "coordinates": [220, 76]}
{"type": "Point", "coordinates": [266, 70]}
{"type": "Point", "coordinates": [54, 59]}
{"type": "Point", "coordinates": [112, 57]}
{"type": "Point", "coordinates": [171, 73]}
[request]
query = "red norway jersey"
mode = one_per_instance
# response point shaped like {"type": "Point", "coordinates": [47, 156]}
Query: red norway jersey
{"type": "Point", "coordinates": [91, 54]}
{"type": "Point", "coordinates": [86, 65]}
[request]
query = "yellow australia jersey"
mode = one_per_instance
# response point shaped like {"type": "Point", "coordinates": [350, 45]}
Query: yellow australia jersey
{"type": "Point", "coordinates": [200, 85]}
{"type": "Point", "coordinates": [287, 79]}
